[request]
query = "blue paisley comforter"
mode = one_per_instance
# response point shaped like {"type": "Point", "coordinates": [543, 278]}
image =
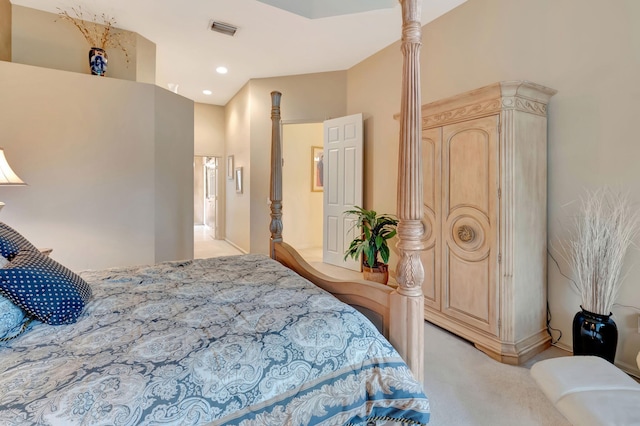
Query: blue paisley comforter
{"type": "Point", "coordinates": [236, 340]}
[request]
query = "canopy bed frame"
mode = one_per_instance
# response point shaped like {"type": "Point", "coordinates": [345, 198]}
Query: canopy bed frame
{"type": "Point", "coordinates": [401, 309]}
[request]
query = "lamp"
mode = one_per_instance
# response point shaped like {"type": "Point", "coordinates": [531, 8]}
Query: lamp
{"type": "Point", "coordinates": [7, 176]}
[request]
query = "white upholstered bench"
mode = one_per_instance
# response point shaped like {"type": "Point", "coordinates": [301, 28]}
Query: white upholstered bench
{"type": "Point", "coordinates": [588, 390]}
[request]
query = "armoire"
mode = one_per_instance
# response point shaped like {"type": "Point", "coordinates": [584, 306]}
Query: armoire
{"type": "Point", "coordinates": [485, 216]}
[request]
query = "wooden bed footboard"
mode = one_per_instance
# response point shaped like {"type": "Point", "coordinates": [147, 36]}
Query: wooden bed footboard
{"type": "Point", "coordinates": [372, 299]}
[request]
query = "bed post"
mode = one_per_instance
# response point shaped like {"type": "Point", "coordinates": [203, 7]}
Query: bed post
{"type": "Point", "coordinates": [275, 194]}
{"type": "Point", "coordinates": [407, 329]}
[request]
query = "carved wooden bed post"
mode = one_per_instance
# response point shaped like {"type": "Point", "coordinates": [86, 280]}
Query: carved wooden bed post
{"type": "Point", "coordinates": [400, 311]}
{"type": "Point", "coordinates": [276, 174]}
{"type": "Point", "coordinates": [408, 335]}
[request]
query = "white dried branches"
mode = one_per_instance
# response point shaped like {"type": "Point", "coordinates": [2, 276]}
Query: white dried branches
{"type": "Point", "coordinates": [604, 230]}
{"type": "Point", "coordinates": [98, 30]}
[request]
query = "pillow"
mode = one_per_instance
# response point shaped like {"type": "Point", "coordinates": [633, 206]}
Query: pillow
{"type": "Point", "coordinates": [11, 318]}
{"type": "Point", "coordinates": [11, 242]}
{"type": "Point", "coordinates": [44, 288]}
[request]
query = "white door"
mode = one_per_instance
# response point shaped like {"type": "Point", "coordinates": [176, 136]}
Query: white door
{"type": "Point", "coordinates": [343, 158]}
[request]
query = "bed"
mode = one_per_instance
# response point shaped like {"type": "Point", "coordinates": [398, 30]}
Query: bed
{"type": "Point", "coordinates": [242, 340]}
{"type": "Point", "coordinates": [231, 340]}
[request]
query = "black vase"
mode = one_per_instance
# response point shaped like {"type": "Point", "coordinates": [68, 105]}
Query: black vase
{"type": "Point", "coordinates": [98, 61]}
{"type": "Point", "coordinates": [595, 334]}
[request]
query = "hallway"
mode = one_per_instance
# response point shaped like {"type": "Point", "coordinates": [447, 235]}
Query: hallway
{"type": "Point", "coordinates": [204, 245]}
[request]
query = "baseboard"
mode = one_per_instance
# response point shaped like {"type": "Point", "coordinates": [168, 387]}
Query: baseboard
{"type": "Point", "coordinates": [235, 246]}
{"type": "Point", "coordinates": [563, 346]}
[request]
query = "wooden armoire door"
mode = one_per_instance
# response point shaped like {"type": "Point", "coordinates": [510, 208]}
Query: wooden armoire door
{"type": "Point", "coordinates": [469, 231]}
{"type": "Point", "coordinates": [432, 196]}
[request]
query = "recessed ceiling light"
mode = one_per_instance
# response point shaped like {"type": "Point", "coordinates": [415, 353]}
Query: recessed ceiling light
{"type": "Point", "coordinates": [207, 92]}
{"type": "Point", "coordinates": [222, 70]}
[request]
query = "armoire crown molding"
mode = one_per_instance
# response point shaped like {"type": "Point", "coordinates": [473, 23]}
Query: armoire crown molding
{"type": "Point", "coordinates": [519, 95]}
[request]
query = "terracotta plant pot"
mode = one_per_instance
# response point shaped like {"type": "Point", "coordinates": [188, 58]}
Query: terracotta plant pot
{"type": "Point", "coordinates": [379, 274]}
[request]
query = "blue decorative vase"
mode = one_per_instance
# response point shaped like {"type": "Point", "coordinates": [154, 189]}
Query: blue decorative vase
{"type": "Point", "coordinates": [98, 61]}
{"type": "Point", "coordinates": [595, 334]}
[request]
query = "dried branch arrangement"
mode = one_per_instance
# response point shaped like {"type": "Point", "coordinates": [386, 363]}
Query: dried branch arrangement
{"type": "Point", "coordinates": [604, 229]}
{"type": "Point", "coordinates": [98, 30]}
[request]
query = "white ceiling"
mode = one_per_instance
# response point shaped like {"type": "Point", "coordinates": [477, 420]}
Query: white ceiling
{"type": "Point", "coordinates": [270, 40]}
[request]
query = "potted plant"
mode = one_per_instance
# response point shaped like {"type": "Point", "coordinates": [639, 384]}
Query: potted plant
{"type": "Point", "coordinates": [603, 231]}
{"type": "Point", "coordinates": [371, 246]}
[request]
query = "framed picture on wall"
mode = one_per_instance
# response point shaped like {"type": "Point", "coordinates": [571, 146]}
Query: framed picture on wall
{"type": "Point", "coordinates": [230, 167]}
{"type": "Point", "coordinates": [239, 180]}
{"type": "Point", "coordinates": [317, 160]}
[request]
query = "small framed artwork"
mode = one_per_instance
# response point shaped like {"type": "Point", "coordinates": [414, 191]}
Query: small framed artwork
{"type": "Point", "coordinates": [230, 167]}
{"type": "Point", "coordinates": [239, 180]}
{"type": "Point", "coordinates": [317, 163]}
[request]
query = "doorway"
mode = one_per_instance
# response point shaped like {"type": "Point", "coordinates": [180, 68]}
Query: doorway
{"type": "Point", "coordinates": [205, 194]}
{"type": "Point", "coordinates": [303, 195]}
{"type": "Point", "coordinates": [301, 192]}
{"type": "Point", "coordinates": [322, 177]}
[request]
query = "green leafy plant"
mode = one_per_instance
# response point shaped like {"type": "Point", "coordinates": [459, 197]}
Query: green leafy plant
{"type": "Point", "coordinates": [376, 230]}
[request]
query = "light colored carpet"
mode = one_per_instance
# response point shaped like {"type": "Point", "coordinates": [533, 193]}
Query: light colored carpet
{"type": "Point", "coordinates": [466, 387]}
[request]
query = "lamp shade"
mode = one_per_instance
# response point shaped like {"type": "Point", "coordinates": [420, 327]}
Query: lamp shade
{"type": "Point", "coordinates": [8, 176]}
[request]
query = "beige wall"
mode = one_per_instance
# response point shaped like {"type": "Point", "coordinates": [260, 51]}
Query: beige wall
{"type": "Point", "coordinates": [5, 30]}
{"type": "Point", "coordinates": [237, 143]}
{"type": "Point", "coordinates": [209, 130]}
{"type": "Point", "coordinates": [173, 210]}
{"type": "Point", "coordinates": [145, 60]}
{"type": "Point", "coordinates": [209, 141]}
{"type": "Point", "coordinates": [42, 39]}
{"type": "Point", "coordinates": [106, 179]}
{"type": "Point", "coordinates": [588, 51]}
{"type": "Point", "coordinates": [303, 214]}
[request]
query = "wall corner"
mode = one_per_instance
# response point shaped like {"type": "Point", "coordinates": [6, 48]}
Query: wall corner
{"type": "Point", "coordinates": [5, 30]}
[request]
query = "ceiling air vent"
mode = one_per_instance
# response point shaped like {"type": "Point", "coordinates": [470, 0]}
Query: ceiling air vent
{"type": "Point", "coordinates": [223, 28]}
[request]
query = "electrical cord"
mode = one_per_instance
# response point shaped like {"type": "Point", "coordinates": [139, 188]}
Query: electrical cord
{"type": "Point", "coordinates": [560, 270]}
{"type": "Point", "coordinates": [550, 329]}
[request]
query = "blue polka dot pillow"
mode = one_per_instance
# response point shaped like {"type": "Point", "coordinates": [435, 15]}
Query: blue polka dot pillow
{"type": "Point", "coordinates": [11, 242]}
{"type": "Point", "coordinates": [45, 289]}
